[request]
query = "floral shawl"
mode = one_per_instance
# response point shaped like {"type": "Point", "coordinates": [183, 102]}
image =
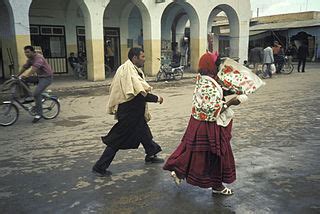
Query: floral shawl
{"type": "Point", "coordinates": [207, 99]}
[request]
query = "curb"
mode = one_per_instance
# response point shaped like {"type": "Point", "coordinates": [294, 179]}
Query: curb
{"type": "Point", "coordinates": [93, 85]}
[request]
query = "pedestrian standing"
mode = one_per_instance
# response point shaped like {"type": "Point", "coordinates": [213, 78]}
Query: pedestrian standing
{"type": "Point", "coordinates": [268, 60]}
{"type": "Point", "coordinates": [278, 55]}
{"type": "Point", "coordinates": [302, 56]}
{"type": "Point", "coordinates": [185, 52]}
{"type": "Point", "coordinates": [204, 157]}
{"type": "Point", "coordinates": [129, 94]}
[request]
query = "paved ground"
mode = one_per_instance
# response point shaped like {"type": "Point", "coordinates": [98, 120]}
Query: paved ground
{"type": "Point", "coordinates": [45, 167]}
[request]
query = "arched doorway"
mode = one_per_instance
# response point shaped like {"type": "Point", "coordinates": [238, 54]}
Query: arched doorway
{"type": "Point", "coordinates": [223, 30]}
{"type": "Point", "coordinates": [132, 19]}
{"type": "Point", "coordinates": [179, 31]}
{"type": "Point", "coordinates": [121, 32]}
{"type": "Point", "coordinates": [55, 31]}
{"type": "Point", "coordinates": [7, 43]}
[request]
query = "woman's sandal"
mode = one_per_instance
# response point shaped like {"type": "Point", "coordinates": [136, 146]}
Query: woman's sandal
{"type": "Point", "coordinates": [176, 180]}
{"type": "Point", "coordinates": [225, 191]}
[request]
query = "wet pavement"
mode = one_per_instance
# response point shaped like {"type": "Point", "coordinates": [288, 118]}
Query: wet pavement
{"type": "Point", "coordinates": [45, 167]}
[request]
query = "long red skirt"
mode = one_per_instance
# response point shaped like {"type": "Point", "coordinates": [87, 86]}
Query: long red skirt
{"type": "Point", "coordinates": [204, 157]}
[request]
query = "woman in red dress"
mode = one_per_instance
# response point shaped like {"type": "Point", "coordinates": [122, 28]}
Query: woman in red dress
{"type": "Point", "coordinates": [204, 157]}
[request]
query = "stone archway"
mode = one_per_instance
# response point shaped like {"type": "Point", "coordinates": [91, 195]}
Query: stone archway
{"type": "Point", "coordinates": [121, 32]}
{"type": "Point", "coordinates": [138, 37]}
{"type": "Point", "coordinates": [232, 38]}
{"type": "Point", "coordinates": [75, 26]}
{"type": "Point", "coordinates": [177, 17]}
{"type": "Point", "coordinates": [8, 54]}
{"type": "Point", "coordinates": [53, 29]}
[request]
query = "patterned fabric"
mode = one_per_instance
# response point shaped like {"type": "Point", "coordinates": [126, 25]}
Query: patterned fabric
{"type": "Point", "coordinates": [207, 99]}
{"type": "Point", "coordinates": [237, 78]}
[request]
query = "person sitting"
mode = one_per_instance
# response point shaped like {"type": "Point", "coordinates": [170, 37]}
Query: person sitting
{"type": "Point", "coordinates": [75, 65]}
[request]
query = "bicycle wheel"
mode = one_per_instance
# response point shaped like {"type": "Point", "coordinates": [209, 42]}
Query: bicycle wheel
{"type": "Point", "coordinates": [50, 108]}
{"type": "Point", "coordinates": [287, 69]}
{"type": "Point", "coordinates": [262, 73]}
{"type": "Point", "coordinates": [178, 74]}
{"type": "Point", "coordinates": [9, 114]}
{"type": "Point", "coordinates": [160, 76]}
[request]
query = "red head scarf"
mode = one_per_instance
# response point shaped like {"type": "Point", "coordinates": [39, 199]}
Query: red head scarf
{"type": "Point", "coordinates": [207, 64]}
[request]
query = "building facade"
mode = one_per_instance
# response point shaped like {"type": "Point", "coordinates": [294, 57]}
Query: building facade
{"type": "Point", "coordinates": [104, 31]}
{"type": "Point", "coordinates": [292, 28]}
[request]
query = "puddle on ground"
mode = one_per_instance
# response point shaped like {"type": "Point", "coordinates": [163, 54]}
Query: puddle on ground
{"type": "Point", "coordinates": [69, 123]}
{"type": "Point", "coordinates": [80, 117]}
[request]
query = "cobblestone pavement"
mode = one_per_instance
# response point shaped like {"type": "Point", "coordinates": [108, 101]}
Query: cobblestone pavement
{"type": "Point", "coordinates": [45, 167]}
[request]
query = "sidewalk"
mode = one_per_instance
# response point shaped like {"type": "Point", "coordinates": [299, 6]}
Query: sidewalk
{"type": "Point", "coordinates": [66, 83]}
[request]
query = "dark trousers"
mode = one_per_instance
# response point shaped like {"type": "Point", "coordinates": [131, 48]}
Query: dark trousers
{"type": "Point", "coordinates": [150, 147]}
{"type": "Point", "coordinates": [303, 62]}
{"type": "Point", "coordinates": [278, 62]}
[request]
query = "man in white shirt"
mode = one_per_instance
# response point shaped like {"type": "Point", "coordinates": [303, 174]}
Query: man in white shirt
{"type": "Point", "coordinates": [268, 59]}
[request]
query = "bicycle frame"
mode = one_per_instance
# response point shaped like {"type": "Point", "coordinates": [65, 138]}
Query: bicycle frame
{"type": "Point", "coordinates": [50, 104]}
{"type": "Point", "coordinates": [26, 105]}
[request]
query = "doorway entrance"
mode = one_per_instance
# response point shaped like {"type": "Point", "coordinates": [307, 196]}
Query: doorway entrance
{"type": "Point", "coordinates": [51, 41]}
{"type": "Point", "coordinates": [111, 49]}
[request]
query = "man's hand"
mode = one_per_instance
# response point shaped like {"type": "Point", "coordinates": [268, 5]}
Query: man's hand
{"type": "Point", "coordinates": [233, 102]}
{"type": "Point", "coordinates": [160, 100]}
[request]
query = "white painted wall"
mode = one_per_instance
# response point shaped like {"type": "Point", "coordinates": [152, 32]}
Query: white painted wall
{"type": "Point", "coordinates": [96, 14]}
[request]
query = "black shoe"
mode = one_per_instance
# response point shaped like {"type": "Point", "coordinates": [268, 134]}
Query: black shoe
{"type": "Point", "coordinates": [36, 119]}
{"type": "Point", "coordinates": [101, 173]}
{"type": "Point", "coordinates": [153, 159]}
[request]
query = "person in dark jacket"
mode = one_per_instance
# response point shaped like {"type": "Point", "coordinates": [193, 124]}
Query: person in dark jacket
{"type": "Point", "coordinates": [256, 57]}
{"type": "Point", "coordinates": [302, 56]}
{"type": "Point", "coordinates": [129, 94]}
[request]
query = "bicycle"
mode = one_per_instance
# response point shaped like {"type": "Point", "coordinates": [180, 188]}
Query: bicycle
{"type": "Point", "coordinates": [288, 66]}
{"type": "Point", "coordinates": [168, 72]}
{"type": "Point", "coordinates": [9, 109]}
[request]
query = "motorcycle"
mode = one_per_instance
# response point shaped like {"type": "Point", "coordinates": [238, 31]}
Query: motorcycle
{"type": "Point", "coordinates": [169, 71]}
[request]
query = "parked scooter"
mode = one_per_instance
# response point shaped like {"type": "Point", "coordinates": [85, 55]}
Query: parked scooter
{"type": "Point", "coordinates": [169, 71]}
